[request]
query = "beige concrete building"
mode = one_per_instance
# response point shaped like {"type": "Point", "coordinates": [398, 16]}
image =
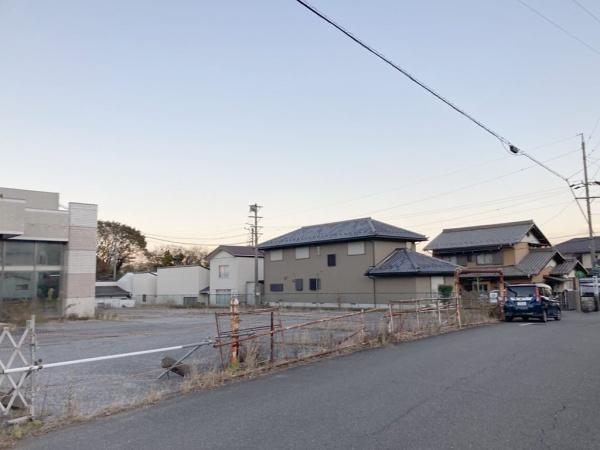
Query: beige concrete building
{"type": "Point", "coordinates": [47, 253]}
{"type": "Point", "coordinates": [360, 262]}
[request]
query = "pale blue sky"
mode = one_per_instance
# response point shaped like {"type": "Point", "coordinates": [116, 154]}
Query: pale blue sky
{"type": "Point", "coordinates": [173, 116]}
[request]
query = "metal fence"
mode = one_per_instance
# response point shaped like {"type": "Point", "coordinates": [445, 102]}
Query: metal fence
{"type": "Point", "coordinates": [246, 340]}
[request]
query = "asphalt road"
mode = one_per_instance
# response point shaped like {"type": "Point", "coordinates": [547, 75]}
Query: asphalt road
{"type": "Point", "coordinates": [511, 385]}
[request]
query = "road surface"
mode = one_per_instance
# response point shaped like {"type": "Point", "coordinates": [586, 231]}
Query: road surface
{"type": "Point", "coordinates": [511, 385]}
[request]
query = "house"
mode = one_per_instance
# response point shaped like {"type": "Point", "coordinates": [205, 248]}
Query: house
{"type": "Point", "coordinates": [110, 295]}
{"type": "Point", "coordinates": [359, 262]}
{"type": "Point", "coordinates": [520, 249]}
{"type": "Point", "coordinates": [141, 287]}
{"type": "Point", "coordinates": [232, 274]}
{"type": "Point", "coordinates": [579, 248]}
{"type": "Point", "coordinates": [47, 252]}
{"type": "Point", "coordinates": [181, 285]}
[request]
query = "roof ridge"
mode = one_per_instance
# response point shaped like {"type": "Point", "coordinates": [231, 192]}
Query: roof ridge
{"type": "Point", "coordinates": [492, 225]}
{"type": "Point", "coordinates": [333, 222]}
{"type": "Point", "coordinates": [415, 266]}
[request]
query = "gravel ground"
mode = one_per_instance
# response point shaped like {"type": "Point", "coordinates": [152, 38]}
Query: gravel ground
{"type": "Point", "coordinates": [92, 387]}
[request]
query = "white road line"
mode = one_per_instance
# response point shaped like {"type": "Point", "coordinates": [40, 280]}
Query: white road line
{"type": "Point", "coordinates": [524, 324]}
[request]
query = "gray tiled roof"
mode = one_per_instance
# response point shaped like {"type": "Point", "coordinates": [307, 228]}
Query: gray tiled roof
{"type": "Point", "coordinates": [566, 267]}
{"type": "Point", "coordinates": [406, 262]}
{"type": "Point", "coordinates": [536, 260]}
{"type": "Point", "coordinates": [347, 230]}
{"type": "Point", "coordinates": [577, 245]}
{"type": "Point", "coordinates": [495, 235]}
{"type": "Point", "coordinates": [236, 250]}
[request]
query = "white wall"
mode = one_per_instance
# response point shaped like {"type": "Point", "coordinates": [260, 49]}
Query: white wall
{"type": "Point", "coordinates": [144, 284]}
{"type": "Point", "coordinates": [241, 272]}
{"type": "Point", "coordinates": [175, 283]}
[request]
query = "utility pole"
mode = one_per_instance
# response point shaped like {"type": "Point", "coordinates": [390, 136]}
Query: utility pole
{"type": "Point", "coordinates": [588, 203]}
{"type": "Point", "coordinates": [254, 233]}
{"type": "Point", "coordinates": [114, 258]}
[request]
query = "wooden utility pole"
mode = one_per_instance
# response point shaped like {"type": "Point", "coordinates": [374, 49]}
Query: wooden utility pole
{"type": "Point", "coordinates": [588, 203]}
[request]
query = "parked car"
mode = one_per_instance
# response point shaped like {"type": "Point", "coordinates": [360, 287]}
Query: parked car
{"type": "Point", "coordinates": [531, 301]}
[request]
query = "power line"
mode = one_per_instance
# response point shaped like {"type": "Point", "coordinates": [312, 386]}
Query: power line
{"type": "Point", "coordinates": [195, 237]}
{"type": "Point", "coordinates": [201, 244]}
{"type": "Point", "coordinates": [504, 141]}
{"type": "Point", "coordinates": [404, 72]}
{"type": "Point", "coordinates": [589, 13]}
{"type": "Point", "coordinates": [561, 28]}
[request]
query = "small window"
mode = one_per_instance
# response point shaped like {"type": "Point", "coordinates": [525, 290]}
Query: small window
{"type": "Point", "coordinates": [356, 248]}
{"type": "Point", "coordinates": [484, 258]}
{"type": "Point", "coordinates": [276, 255]}
{"type": "Point", "coordinates": [302, 252]}
{"type": "Point", "coordinates": [224, 272]}
{"type": "Point", "coordinates": [276, 287]}
{"type": "Point", "coordinates": [314, 284]}
{"type": "Point", "coordinates": [299, 284]}
{"type": "Point", "coordinates": [331, 260]}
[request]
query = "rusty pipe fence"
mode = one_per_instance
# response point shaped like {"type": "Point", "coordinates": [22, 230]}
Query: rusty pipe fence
{"type": "Point", "coordinates": [259, 339]}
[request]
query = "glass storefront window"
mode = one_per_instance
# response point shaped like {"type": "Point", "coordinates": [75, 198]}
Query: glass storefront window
{"type": "Point", "coordinates": [48, 285]}
{"type": "Point", "coordinates": [49, 253]}
{"type": "Point", "coordinates": [17, 286]}
{"type": "Point", "coordinates": [18, 253]}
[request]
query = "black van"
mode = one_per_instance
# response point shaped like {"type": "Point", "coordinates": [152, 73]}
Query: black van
{"type": "Point", "coordinates": [530, 301]}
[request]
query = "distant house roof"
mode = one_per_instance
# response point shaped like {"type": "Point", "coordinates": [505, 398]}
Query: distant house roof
{"type": "Point", "coordinates": [244, 251]}
{"type": "Point", "coordinates": [347, 230]}
{"type": "Point", "coordinates": [577, 245]}
{"type": "Point", "coordinates": [486, 236]}
{"type": "Point", "coordinates": [403, 262]}
{"type": "Point", "coordinates": [110, 291]}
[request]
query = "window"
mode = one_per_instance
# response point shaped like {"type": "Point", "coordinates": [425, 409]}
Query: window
{"type": "Point", "coordinates": [18, 286]}
{"type": "Point", "coordinates": [276, 255]}
{"type": "Point", "coordinates": [299, 284]}
{"type": "Point", "coordinates": [18, 253]}
{"type": "Point", "coordinates": [331, 260]}
{"type": "Point", "coordinates": [484, 258]}
{"type": "Point", "coordinates": [302, 252]}
{"type": "Point", "coordinates": [223, 296]}
{"type": "Point", "coordinates": [224, 272]}
{"type": "Point", "coordinates": [276, 287]}
{"type": "Point", "coordinates": [356, 248]}
{"type": "Point", "coordinates": [49, 254]}
{"type": "Point", "coordinates": [314, 284]}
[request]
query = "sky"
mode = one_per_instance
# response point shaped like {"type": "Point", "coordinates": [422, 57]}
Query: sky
{"type": "Point", "coordinates": [174, 116]}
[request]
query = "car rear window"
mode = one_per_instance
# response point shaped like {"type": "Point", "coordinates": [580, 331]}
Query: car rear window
{"type": "Point", "coordinates": [521, 291]}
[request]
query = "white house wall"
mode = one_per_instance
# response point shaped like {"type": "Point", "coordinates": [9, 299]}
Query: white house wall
{"type": "Point", "coordinates": [176, 283]}
{"type": "Point", "coordinates": [241, 272]}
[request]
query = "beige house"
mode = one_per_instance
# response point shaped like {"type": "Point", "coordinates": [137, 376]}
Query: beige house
{"type": "Point", "coordinates": [359, 262]}
{"type": "Point", "coordinates": [520, 249]}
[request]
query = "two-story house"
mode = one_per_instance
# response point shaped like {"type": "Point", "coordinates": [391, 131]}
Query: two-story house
{"type": "Point", "coordinates": [520, 249]}
{"type": "Point", "coordinates": [359, 262]}
{"type": "Point", "coordinates": [580, 249]}
{"type": "Point", "coordinates": [232, 274]}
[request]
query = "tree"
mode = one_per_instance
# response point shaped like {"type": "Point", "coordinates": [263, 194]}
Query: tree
{"type": "Point", "coordinates": [176, 256]}
{"type": "Point", "coordinates": [120, 241]}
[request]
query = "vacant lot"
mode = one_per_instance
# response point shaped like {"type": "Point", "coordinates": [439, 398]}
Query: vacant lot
{"type": "Point", "coordinates": [92, 387]}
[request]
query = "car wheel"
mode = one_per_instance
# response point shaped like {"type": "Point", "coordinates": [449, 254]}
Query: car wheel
{"type": "Point", "coordinates": [558, 315]}
{"type": "Point", "coordinates": [508, 319]}
{"type": "Point", "coordinates": [525, 319]}
{"type": "Point", "coordinates": [544, 316]}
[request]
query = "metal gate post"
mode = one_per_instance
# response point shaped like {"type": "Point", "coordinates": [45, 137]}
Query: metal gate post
{"type": "Point", "coordinates": [33, 356]}
{"type": "Point", "coordinates": [235, 327]}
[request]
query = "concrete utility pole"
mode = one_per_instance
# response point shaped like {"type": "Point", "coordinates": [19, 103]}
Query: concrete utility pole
{"type": "Point", "coordinates": [588, 203]}
{"type": "Point", "coordinates": [254, 230]}
{"type": "Point", "coordinates": [114, 258]}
